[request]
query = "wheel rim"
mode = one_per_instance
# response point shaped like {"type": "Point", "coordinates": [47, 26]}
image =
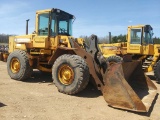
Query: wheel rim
{"type": "Point", "coordinates": [65, 74]}
{"type": "Point", "coordinates": [15, 65]}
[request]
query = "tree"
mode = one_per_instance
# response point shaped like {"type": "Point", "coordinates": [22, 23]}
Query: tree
{"type": "Point", "coordinates": [119, 38]}
{"type": "Point", "coordinates": [4, 38]}
{"type": "Point", "coordinates": [156, 40]}
{"type": "Point", "coordinates": [115, 39]}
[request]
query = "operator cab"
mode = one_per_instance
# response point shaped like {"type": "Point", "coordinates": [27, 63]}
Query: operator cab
{"type": "Point", "coordinates": [54, 22]}
{"type": "Point", "coordinates": [142, 35]}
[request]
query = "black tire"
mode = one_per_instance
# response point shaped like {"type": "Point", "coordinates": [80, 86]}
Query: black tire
{"type": "Point", "coordinates": [114, 59]}
{"type": "Point", "coordinates": [80, 70]}
{"type": "Point", "coordinates": [24, 71]}
{"type": "Point", "coordinates": [157, 71]}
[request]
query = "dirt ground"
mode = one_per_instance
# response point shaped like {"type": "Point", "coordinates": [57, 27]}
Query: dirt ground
{"type": "Point", "coordinates": [38, 99]}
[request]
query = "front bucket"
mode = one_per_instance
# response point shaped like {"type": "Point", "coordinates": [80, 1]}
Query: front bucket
{"type": "Point", "coordinates": [127, 87]}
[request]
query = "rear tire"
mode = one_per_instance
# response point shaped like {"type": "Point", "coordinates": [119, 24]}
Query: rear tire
{"type": "Point", "coordinates": [157, 71]}
{"type": "Point", "coordinates": [70, 74]}
{"type": "Point", "coordinates": [18, 65]}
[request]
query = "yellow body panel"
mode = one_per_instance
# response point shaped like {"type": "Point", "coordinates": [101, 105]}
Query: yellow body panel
{"type": "Point", "coordinates": [20, 46]}
{"type": "Point", "coordinates": [40, 42]}
{"type": "Point", "coordinates": [148, 50]}
{"type": "Point", "coordinates": [156, 48]}
{"type": "Point", "coordinates": [20, 42]}
{"type": "Point", "coordinates": [24, 38]}
{"type": "Point", "coordinates": [11, 44]}
{"type": "Point", "coordinates": [113, 49]}
{"type": "Point", "coordinates": [136, 48]}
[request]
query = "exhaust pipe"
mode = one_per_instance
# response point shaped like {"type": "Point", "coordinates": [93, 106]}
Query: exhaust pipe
{"type": "Point", "coordinates": [110, 38]}
{"type": "Point", "coordinates": [27, 27]}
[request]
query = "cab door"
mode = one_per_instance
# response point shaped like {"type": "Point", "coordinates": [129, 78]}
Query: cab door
{"type": "Point", "coordinates": [147, 43]}
{"type": "Point", "coordinates": [42, 39]}
{"type": "Point", "coordinates": [134, 44]}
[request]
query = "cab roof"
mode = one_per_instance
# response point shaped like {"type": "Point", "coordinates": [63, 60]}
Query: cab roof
{"type": "Point", "coordinates": [54, 10]}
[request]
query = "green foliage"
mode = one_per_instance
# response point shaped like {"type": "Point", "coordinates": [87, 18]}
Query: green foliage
{"type": "Point", "coordinates": [156, 40]}
{"type": "Point", "coordinates": [119, 38]}
{"type": "Point", "coordinates": [100, 39]}
{"type": "Point", "coordinates": [115, 39]}
{"type": "Point", "coordinates": [4, 38]}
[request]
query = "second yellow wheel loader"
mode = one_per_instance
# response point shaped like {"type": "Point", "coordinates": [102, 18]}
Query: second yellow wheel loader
{"type": "Point", "coordinates": [139, 46]}
{"type": "Point", "coordinates": [52, 49]}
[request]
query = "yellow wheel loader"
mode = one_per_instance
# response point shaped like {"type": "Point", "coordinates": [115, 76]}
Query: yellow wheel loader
{"type": "Point", "coordinates": [53, 49]}
{"type": "Point", "coordinates": [139, 46]}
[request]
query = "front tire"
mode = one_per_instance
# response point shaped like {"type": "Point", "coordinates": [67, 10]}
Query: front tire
{"type": "Point", "coordinates": [70, 74]}
{"type": "Point", "coordinates": [18, 65]}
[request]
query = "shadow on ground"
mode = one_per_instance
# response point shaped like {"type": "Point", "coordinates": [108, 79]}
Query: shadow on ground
{"type": "Point", "coordinates": [2, 105]}
{"type": "Point", "coordinates": [40, 77]}
{"type": "Point", "coordinates": [89, 92]}
{"type": "Point", "coordinates": [152, 77]}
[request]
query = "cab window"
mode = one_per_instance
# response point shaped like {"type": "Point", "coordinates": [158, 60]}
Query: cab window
{"type": "Point", "coordinates": [43, 24]}
{"type": "Point", "coordinates": [147, 39]}
{"type": "Point", "coordinates": [136, 36]}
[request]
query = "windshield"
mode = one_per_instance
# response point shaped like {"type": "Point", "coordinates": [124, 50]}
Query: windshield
{"type": "Point", "coordinates": [65, 27]}
{"type": "Point", "coordinates": [64, 23]}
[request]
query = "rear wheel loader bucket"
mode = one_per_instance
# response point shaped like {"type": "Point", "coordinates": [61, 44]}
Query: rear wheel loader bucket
{"type": "Point", "coordinates": [126, 87]}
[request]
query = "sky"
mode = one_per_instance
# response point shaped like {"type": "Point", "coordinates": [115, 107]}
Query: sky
{"type": "Point", "coordinates": [92, 16]}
